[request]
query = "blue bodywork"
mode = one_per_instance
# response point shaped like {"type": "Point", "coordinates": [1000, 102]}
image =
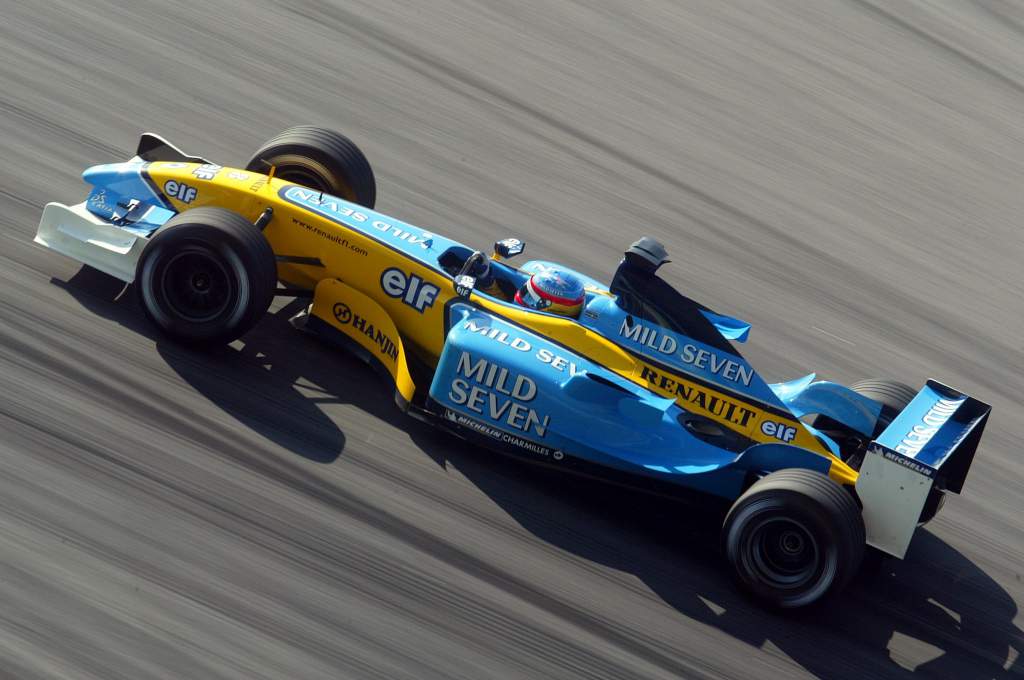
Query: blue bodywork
{"type": "Point", "coordinates": [117, 184]}
{"type": "Point", "coordinates": [514, 390]}
{"type": "Point", "coordinates": [523, 393]}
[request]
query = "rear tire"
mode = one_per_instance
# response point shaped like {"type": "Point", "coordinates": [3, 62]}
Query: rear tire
{"type": "Point", "coordinates": [894, 397]}
{"type": "Point", "coordinates": [793, 538]}
{"type": "Point", "coordinates": [206, 277]}
{"type": "Point", "coordinates": [319, 159]}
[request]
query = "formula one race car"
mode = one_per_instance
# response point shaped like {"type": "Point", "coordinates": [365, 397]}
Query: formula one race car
{"type": "Point", "coordinates": [631, 381]}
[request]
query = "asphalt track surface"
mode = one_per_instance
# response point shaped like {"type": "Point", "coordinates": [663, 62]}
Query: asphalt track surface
{"type": "Point", "coordinates": [845, 175]}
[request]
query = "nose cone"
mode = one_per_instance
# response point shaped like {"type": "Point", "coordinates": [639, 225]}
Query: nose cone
{"type": "Point", "coordinates": [123, 181]}
{"type": "Point", "coordinates": [111, 174]}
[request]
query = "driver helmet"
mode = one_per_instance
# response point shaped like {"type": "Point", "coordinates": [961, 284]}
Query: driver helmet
{"type": "Point", "coordinates": [554, 290]}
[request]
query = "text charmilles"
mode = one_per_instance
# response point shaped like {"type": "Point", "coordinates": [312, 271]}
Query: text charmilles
{"type": "Point", "coordinates": [486, 388]}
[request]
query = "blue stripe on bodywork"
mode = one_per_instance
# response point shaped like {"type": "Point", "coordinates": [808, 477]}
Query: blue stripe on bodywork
{"type": "Point", "coordinates": [730, 328]}
{"type": "Point", "coordinates": [539, 391]}
{"type": "Point", "coordinates": [126, 180]}
{"type": "Point", "coordinates": [115, 184]}
{"type": "Point", "coordinates": [411, 241]}
{"type": "Point", "coordinates": [805, 397]}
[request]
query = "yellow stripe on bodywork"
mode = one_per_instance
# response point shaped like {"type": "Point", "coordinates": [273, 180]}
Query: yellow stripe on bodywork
{"type": "Point", "coordinates": [185, 185]}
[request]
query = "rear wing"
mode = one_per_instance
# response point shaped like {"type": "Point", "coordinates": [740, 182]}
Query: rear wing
{"type": "Point", "coordinates": [929, 445]}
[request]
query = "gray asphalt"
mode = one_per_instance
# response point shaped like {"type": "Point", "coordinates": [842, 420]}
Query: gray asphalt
{"type": "Point", "coordinates": [846, 175]}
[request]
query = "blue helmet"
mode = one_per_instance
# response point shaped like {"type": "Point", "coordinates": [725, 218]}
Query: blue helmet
{"type": "Point", "coordinates": [553, 290]}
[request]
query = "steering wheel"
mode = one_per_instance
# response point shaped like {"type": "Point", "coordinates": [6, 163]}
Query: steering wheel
{"type": "Point", "coordinates": [477, 258]}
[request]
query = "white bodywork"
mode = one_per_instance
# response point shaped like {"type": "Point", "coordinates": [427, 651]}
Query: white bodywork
{"type": "Point", "coordinates": [77, 233]}
{"type": "Point", "coordinates": [893, 494]}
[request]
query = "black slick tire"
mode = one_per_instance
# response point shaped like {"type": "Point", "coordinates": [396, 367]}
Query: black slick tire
{"type": "Point", "coordinates": [319, 159]}
{"type": "Point", "coordinates": [793, 538]}
{"type": "Point", "coordinates": [206, 277]}
{"type": "Point", "coordinates": [894, 397]}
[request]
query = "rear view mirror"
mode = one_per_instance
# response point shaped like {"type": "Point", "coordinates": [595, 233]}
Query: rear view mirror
{"type": "Point", "coordinates": [509, 247]}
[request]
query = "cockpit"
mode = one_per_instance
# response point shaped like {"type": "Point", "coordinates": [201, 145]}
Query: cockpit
{"type": "Point", "coordinates": [636, 292]}
{"type": "Point", "coordinates": [491, 275]}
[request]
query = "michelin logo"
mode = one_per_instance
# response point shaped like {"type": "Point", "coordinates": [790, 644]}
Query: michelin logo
{"type": "Point", "coordinates": [498, 435]}
{"type": "Point", "coordinates": [902, 461]}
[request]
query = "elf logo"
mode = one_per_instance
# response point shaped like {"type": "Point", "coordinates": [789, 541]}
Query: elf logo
{"type": "Point", "coordinates": [180, 191]}
{"type": "Point", "coordinates": [780, 431]}
{"type": "Point", "coordinates": [411, 289]}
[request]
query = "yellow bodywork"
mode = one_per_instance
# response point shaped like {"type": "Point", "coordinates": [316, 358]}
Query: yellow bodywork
{"type": "Point", "coordinates": [313, 249]}
{"type": "Point", "coordinates": [360, 318]}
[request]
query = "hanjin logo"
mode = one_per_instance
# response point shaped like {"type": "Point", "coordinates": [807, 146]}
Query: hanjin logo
{"type": "Point", "coordinates": [342, 312]}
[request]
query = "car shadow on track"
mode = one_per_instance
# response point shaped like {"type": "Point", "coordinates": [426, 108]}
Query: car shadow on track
{"type": "Point", "coordinates": [933, 614]}
{"type": "Point", "coordinates": [261, 383]}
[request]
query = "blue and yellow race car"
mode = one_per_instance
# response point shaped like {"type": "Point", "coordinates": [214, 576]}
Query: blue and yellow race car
{"type": "Point", "coordinates": [629, 381]}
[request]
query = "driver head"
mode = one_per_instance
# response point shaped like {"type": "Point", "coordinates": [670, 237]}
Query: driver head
{"type": "Point", "coordinates": [554, 290]}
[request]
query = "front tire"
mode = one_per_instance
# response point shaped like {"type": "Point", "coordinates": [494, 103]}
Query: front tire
{"type": "Point", "coordinates": [206, 277]}
{"type": "Point", "coordinates": [319, 159]}
{"type": "Point", "coordinates": [793, 538]}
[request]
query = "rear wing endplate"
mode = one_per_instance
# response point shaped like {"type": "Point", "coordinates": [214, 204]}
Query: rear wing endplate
{"type": "Point", "coordinates": [930, 444]}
